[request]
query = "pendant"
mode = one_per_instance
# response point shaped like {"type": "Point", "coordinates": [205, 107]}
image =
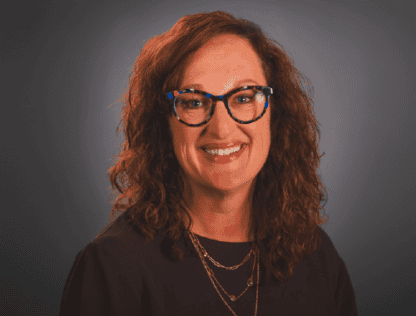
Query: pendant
{"type": "Point", "coordinates": [232, 297]}
{"type": "Point", "coordinates": [250, 281]}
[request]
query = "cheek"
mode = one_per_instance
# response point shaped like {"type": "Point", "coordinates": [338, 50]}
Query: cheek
{"type": "Point", "coordinates": [184, 139]}
{"type": "Point", "coordinates": [263, 136]}
{"type": "Point", "coordinates": [177, 131]}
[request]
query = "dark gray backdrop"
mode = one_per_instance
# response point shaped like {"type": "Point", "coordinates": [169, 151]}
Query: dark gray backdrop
{"type": "Point", "coordinates": [64, 62]}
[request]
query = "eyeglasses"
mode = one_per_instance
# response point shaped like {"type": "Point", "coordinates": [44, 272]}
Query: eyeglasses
{"type": "Point", "coordinates": [241, 112]}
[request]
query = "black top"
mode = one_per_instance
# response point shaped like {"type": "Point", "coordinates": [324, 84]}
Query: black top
{"type": "Point", "coordinates": [120, 274]}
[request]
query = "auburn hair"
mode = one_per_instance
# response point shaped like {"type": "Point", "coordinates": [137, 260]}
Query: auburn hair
{"type": "Point", "coordinates": [288, 192]}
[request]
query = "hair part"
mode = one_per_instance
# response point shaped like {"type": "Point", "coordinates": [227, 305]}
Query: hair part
{"type": "Point", "coordinates": [288, 190]}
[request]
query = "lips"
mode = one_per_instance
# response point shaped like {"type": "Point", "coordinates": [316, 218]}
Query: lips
{"type": "Point", "coordinates": [213, 146]}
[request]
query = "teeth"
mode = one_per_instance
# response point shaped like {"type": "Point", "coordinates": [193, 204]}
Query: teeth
{"type": "Point", "coordinates": [222, 152]}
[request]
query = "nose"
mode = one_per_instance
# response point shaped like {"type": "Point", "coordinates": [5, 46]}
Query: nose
{"type": "Point", "coordinates": [221, 116]}
{"type": "Point", "coordinates": [221, 123]}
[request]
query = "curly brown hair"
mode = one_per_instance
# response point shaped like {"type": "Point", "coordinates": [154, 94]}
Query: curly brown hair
{"type": "Point", "coordinates": [288, 190]}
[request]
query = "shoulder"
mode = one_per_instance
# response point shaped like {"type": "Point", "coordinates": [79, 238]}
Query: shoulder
{"type": "Point", "coordinates": [122, 246]}
{"type": "Point", "coordinates": [325, 262]}
{"type": "Point", "coordinates": [326, 254]}
{"type": "Point", "coordinates": [114, 262]}
{"type": "Point", "coordinates": [327, 247]}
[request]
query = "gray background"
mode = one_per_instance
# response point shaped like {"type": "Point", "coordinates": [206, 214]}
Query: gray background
{"type": "Point", "coordinates": [64, 62]}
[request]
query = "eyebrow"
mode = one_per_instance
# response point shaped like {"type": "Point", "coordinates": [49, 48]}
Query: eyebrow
{"type": "Point", "coordinates": [239, 83]}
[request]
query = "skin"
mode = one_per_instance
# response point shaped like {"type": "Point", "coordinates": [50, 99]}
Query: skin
{"type": "Point", "coordinates": [219, 197]}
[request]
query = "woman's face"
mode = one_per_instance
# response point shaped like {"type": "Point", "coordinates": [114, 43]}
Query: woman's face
{"type": "Point", "coordinates": [221, 65]}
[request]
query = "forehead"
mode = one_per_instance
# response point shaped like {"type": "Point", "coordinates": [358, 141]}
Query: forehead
{"type": "Point", "coordinates": [226, 59]}
{"type": "Point", "coordinates": [238, 84]}
{"type": "Point", "coordinates": [223, 44]}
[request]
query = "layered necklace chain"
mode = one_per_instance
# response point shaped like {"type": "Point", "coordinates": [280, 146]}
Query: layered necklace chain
{"type": "Point", "coordinates": [203, 254]}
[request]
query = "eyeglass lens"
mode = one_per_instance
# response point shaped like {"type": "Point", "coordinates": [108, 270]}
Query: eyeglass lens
{"type": "Point", "coordinates": [246, 105]}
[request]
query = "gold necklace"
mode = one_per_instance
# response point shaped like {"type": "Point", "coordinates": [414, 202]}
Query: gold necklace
{"type": "Point", "coordinates": [203, 254]}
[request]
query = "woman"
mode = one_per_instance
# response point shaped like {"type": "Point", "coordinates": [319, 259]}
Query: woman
{"type": "Point", "coordinates": [220, 178]}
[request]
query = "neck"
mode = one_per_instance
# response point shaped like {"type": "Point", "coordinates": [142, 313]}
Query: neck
{"type": "Point", "coordinates": [221, 217]}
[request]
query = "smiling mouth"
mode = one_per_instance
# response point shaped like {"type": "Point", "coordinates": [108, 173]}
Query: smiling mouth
{"type": "Point", "coordinates": [224, 152]}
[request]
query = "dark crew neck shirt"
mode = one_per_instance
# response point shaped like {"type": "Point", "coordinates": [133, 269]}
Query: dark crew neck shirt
{"type": "Point", "coordinates": [119, 273]}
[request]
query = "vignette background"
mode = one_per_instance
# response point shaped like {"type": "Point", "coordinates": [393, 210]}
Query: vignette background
{"type": "Point", "coordinates": [63, 63]}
